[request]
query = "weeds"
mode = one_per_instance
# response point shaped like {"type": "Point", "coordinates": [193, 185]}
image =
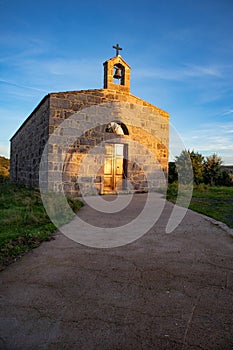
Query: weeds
{"type": "Point", "coordinates": [24, 223]}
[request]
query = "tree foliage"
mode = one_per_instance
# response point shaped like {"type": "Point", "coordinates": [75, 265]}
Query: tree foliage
{"type": "Point", "coordinates": [212, 169]}
{"type": "Point", "coordinates": [224, 179]}
{"type": "Point", "coordinates": [172, 173]}
{"type": "Point", "coordinates": [191, 166]}
{"type": "Point", "coordinates": [197, 164]}
{"type": "Point", "coordinates": [184, 168]}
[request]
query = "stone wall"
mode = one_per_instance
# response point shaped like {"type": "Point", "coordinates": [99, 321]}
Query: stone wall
{"type": "Point", "coordinates": [148, 126]}
{"type": "Point", "coordinates": [60, 117]}
{"type": "Point", "coordinates": [27, 146]}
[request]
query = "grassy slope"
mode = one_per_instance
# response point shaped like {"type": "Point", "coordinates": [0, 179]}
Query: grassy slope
{"type": "Point", "coordinates": [24, 223]}
{"type": "Point", "coordinates": [216, 202]}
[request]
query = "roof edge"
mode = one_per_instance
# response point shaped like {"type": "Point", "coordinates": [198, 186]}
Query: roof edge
{"type": "Point", "coordinates": [148, 104]}
{"type": "Point", "coordinates": [30, 115]}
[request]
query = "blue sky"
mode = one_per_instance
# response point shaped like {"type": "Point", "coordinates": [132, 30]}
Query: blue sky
{"type": "Point", "coordinates": [180, 51]}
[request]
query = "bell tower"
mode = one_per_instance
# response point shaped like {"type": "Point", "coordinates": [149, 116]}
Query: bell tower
{"type": "Point", "coordinates": [117, 73]}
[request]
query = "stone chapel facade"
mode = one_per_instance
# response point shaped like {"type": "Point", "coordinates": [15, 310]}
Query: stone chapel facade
{"type": "Point", "coordinates": [127, 147]}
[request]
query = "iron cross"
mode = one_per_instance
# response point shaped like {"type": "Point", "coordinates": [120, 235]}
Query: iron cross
{"type": "Point", "coordinates": [118, 48]}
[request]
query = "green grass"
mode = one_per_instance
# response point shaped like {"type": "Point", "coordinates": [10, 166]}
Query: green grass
{"type": "Point", "coordinates": [24, 223]}
{"type": "Point", "coordinates": [213, 201]}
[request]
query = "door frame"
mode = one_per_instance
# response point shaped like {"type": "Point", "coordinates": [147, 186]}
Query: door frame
{"type": "Point", "coordinates": [113, 176]}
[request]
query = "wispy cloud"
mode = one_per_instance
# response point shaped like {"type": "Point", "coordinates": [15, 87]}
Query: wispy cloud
{"type": "Point", "coordinates": [55, 74]}
{"type": "Point", "coordinates": [228, 112]}
{"type": "Point", "coordinates": [24, 46]}
{"type": "Point", "coordinates": [181, 72]}
{"type": "Point", "coordinates": [5, 150]}
{"type": "Point", "coordinates": [212, 138]}
{"type": "Point", "coordinates": [193, 70]}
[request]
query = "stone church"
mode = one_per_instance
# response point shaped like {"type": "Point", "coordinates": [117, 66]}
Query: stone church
{"type": "Point", "coordinates": [93, 141]}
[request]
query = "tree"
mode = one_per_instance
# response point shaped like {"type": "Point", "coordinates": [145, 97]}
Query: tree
{"type": "Point", "coordinates": [197, 164]}
{"type": "Point", "coordinates": [184, 168]}
{"type": "Point", "coordinates": [172, 173]}
{"type": "Point", "coordinates": [190, 166]}
{"type": "Point", "coordinates": [212, 169]}
{"type": "Point", "coordinates": [224, 179]}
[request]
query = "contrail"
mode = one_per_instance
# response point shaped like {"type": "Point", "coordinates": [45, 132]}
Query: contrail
{"type": "Point", "coordinates": [21, 86]}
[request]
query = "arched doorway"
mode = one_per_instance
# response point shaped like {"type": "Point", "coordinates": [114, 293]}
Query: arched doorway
{"type": "Point", "coordinates": [115, 163]}
{"type": "Point", "coordinates": [115, 166]}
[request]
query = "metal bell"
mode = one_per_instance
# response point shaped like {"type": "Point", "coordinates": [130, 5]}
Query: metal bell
{"type": "Point", "coordinates": [117, 74]}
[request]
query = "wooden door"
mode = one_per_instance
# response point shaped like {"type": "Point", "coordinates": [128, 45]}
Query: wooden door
{"type": "Point", "coordinates": [114, 167]}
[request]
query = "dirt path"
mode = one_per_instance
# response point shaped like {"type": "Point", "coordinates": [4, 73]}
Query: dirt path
{"type": "Point", "coordinates": [163, 291]}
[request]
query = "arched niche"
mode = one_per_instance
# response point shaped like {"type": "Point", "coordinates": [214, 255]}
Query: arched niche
{"type": "Point", "coordinates": [117, 127]}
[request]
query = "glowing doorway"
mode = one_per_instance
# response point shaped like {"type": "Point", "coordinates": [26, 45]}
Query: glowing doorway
{"type": "Point", "coordinates": [115, 167]}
